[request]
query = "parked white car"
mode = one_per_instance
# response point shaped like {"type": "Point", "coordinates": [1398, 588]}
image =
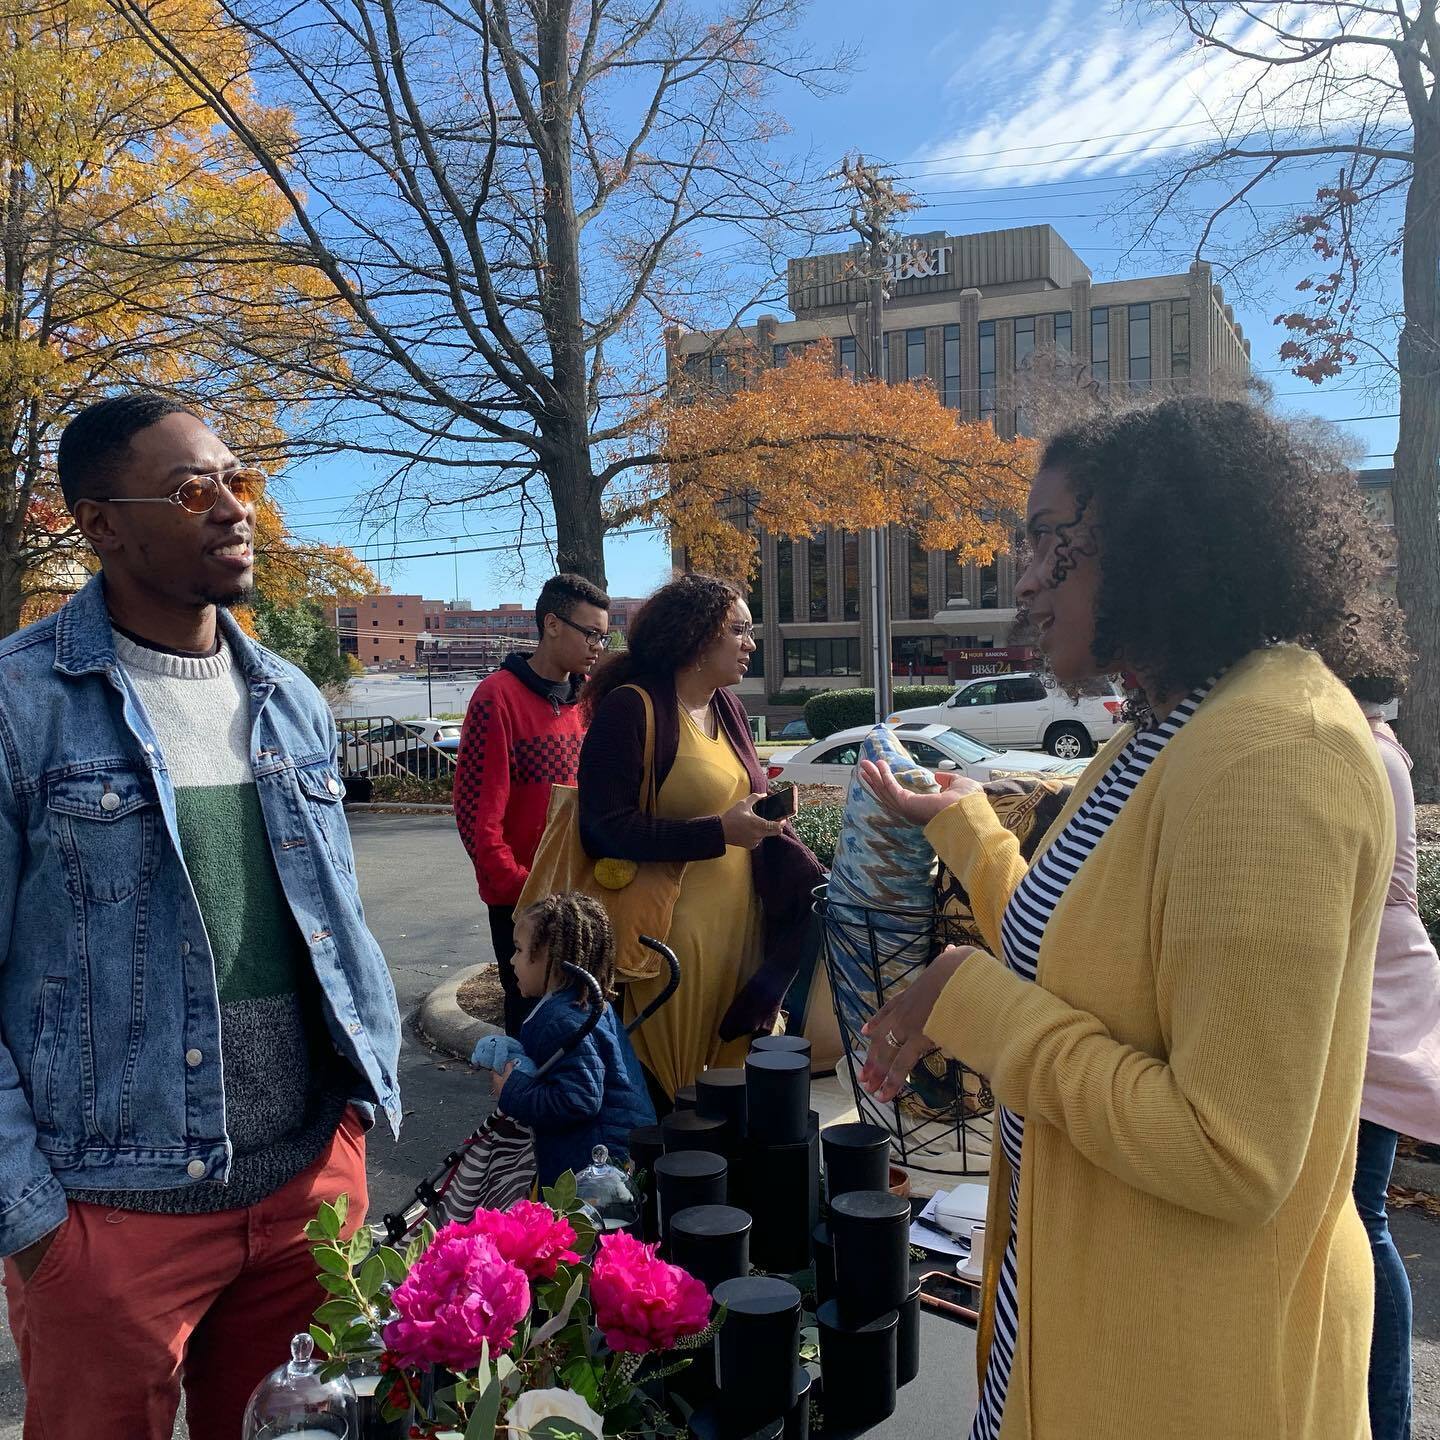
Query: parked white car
{"type": "Point", "coordinates": [1020, 711]}
{"type": "Point", "coordinates": [369, 748]}
{"type": "Point", "coordinates": [831, 761]}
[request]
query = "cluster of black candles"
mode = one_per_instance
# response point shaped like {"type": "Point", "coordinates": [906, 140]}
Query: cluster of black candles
{"type": "Point", "coordinates": [734, 1183]}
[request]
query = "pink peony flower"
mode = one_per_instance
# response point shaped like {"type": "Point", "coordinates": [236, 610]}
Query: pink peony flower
{"type": "Point", "coordinates": [529, 1235]}
{"type": "Point", "coordinates": [641, 1303]}
{"type": "Point", "coordinates": [458, 1294]}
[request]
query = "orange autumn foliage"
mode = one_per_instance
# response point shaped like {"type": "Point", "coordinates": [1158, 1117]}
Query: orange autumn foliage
{"type": "Point", "coordinates": [800, 448]}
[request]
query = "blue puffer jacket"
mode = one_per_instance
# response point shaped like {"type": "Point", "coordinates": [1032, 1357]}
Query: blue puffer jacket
{"type": "Point", "coordinates": [594, 1096]}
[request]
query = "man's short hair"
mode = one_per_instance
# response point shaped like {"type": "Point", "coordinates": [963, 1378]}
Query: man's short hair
{"type": "Point", "coordinates": [94, 445]}
{"type": "Point", "coordinates": [562, 593]}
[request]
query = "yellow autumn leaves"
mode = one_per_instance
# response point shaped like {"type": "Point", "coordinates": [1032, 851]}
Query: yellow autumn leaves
{"type": "Point", "coordinates": [801, 447]}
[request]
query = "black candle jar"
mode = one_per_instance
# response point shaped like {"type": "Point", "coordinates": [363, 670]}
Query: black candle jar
{"type": "Point", "coordinates": [783, 1044]}
{"type": "Point", "coordinates": [712, 1242]}
{"type": "Point", "coordinates": [856, 1157]}
{"type": "Point", "coordinates": [685, 1098]}
{"type": "Point", "coordinates": [720, 1095]}
{"type": "Point", "coordinates": [907, 1339]}
{"type": "Point", "coordinates": [647, 1145]}
{"type": "Point", "coordinates": [797, 1422]}
{"type": "Point", "coordinates": [858, 1368]}
{"type": "Point", "coordinates": [871, 1235]}
{"type": "Point", "coordinates": [777, 1088]}
{"type": "Point", "coordinates": [689, 1130]}
{"type": "Point", "coordinates": [687, 1178]}
{"type": "Point", "coordinates": [756, 1353]}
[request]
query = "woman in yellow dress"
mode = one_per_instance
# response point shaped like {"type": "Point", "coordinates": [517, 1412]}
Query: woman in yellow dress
{"type": "Point", "coordinates": [744, 898]}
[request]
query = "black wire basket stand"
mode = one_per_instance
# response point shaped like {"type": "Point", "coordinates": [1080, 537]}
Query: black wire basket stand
{"type": "Point", "coordinates": [872, 953]}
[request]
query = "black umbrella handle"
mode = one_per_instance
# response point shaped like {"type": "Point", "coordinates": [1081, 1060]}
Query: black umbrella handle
{"type": "Point", "coordinates": [596, 1002]}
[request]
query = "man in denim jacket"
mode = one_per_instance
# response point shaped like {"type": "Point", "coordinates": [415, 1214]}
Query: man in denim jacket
{"type": "Point", "coordinates": [196, 1027]}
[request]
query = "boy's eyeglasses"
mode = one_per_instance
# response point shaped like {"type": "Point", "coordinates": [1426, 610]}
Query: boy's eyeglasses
{"type": "Point", "coordinates": [199, 494]}
{"type": "Point", "coordinates": [595, 639]}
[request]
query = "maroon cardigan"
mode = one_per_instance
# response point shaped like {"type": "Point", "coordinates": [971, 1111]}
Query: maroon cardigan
{"type": "Point", "coordinates": [612, 826]}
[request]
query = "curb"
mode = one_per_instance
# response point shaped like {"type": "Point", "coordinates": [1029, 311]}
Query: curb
{"type": "Point", "coordinates": [403, 807]}
{"type": "Point", "coordinates": [446, 1025]}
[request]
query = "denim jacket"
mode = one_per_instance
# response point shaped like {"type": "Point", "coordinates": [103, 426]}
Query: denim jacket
{"type": "Point", "coordinates": [107, 985]}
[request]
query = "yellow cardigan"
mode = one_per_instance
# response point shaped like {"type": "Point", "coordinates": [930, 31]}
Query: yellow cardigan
{"type": "Point", "coordinates": [1188, 1064]}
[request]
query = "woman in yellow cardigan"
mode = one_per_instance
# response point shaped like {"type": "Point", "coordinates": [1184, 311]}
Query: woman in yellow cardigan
{"type": "Point", "coordinates": [1175, 1027]}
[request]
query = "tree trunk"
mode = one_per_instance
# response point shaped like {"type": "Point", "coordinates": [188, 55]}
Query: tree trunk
{"type": "Point", "coordinates": [12, 590]}
{"type": "Point", "coordinates": [1416, 491]}
{"type": "Point", "coordinates": [579, 523]}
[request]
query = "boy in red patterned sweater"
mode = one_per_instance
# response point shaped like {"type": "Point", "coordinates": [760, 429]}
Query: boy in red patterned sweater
{"type": "Point", "coordinates": [522, 735]}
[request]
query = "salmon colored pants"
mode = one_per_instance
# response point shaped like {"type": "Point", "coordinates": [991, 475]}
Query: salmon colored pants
{"type": "Point", "coordinates": [124, 1305]}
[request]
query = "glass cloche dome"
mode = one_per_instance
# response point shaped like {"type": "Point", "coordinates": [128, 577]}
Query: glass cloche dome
{"type": "Point", "coordinates": [294, 1401]}
{"type": "Point", "coordinates": [608, 1193]}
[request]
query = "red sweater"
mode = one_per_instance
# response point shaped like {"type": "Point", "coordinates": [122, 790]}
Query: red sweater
{"type": "Point", "coordinates": [515, 744]}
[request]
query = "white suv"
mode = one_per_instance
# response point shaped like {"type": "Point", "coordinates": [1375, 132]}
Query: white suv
{"type": "Point", "coordinates": [1020, 712]}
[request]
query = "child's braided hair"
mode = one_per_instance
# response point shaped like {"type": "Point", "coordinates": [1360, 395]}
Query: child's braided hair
{"type": "Point", "coordinates": [576, 928]}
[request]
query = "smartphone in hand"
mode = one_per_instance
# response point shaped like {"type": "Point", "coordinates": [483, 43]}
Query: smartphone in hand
{"type": "Point", "coordinates": [779, 804]}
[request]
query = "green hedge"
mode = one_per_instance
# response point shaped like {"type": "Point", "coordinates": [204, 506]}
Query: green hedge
{"type": "Point", "coordinates": [819, 827]}
{"type": "Point", "coordinates": [796, 696]}
{"type": "Point", "coordinates": [841, 709]}
{"type": "Point", "coordinates": [1428, 887]}
{"type": "Point", "coordinates": [411, 790]}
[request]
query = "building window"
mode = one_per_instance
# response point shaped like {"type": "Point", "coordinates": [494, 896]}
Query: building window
{"type": "Point", "coordinates": [1024, 340]}
{"type": "Point", "coordinates": [950, 392]}
{"type": "Point", "coordinates": [1180, 337]}
{"type": "Point", "coordinates": [374, 622]}
{"type": "Point", "coordinates": [1140, 347]}
{"type": "Point", "coordinates": [822, 657]}
{"type": "Point", "coordinates": [400, 623]}
{"type": "Point", "coordinates": [885, 371]}
{"type": "Point", "coordinates": [987, 370]}
{"type": "Point", "coordinates": [914, 656]}
{"type": "Point", "coordinates": [757, 661]}
{"type": "Point", "coordinates": [847, 355]}
{"type": "Point", "coordinates": [785, 578]}
{"type": "Point", "coordinates": [850, 560]}
{"type": "Point", "coordinates": [756, 600]}
{"type": "Point", "coordinates": [1100, 345]}
{"type": "Point", "coordinates": [919, 569]}
{"type": "Point", "coordinates": [719, 370]}
{"type": "Point", "coordinates": [819, 587]}
{"type": "Point", "coordinates": [779, 353]}
{"type": "Point", "coordinates": [1063, 347]}
{"type": "Point", "coordinates": [914, 354]}
{"type": "Point", "coordinates": [990, 586]}
{"type": "Point", "coordinates": [954, 578]}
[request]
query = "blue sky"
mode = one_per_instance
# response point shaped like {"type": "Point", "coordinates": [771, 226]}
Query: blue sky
{"type": "Point", "coordinates": [1035, 111]}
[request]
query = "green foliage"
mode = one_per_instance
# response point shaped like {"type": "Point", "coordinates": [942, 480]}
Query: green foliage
{"type": "Point", "coordinates": [1428, 887]}
{"type": "Point", "coordinates": [819, 827]}
{"type": "Point", "coordinates": [797, 696]}
{"type": "Point", "coordinates": [299, 634]}
{"type": "Point", "coordinates": [841, 709]}
{"type": "Point", "coordinates": [411, 789]}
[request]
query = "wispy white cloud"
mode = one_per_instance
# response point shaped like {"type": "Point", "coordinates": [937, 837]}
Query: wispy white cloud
{"type": "Point", "coordinates": [1078, 96]}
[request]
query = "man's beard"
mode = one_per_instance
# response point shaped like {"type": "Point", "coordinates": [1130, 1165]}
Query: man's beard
{"type": "Point", "coordinates": [229, 599]}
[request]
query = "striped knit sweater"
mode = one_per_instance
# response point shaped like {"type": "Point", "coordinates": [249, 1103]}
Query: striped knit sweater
{"type": "Point", "coordinates": [285, 1088]}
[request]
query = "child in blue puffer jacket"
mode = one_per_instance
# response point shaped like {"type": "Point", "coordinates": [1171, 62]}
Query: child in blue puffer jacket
{"type": "Point", "coordinates": [595, 1095]}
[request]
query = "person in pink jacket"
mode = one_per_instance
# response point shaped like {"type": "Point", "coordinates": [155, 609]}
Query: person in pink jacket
{"type": "Point", "coordinates": [1402, 1075]}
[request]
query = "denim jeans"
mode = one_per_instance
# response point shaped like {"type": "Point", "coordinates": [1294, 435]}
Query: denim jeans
{"type": "Point", "coordinates": [1390, 1347]}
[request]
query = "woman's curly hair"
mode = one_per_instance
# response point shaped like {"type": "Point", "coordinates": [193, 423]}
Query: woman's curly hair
{"type": "Point", "coordinates": [1218, 530]}
{"type": "Point", "coordinates": [671, 630]}
{"type": "Point", "coordinates": [574, 927]}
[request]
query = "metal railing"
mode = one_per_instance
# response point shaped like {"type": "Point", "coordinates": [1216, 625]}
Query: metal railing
{"type": "Point", "coordinates": [376, 746]}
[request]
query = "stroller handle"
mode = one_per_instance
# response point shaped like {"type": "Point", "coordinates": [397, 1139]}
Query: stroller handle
{"type": "Point", "coordinates": [671, 985]}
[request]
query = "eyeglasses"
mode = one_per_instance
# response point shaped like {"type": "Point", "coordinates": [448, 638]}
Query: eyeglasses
{"type": "Point", "coordinates": [199, 494]}
{"type": "Point", "coordinates": [743, 632]}
{"type": "Point", "coordinates": [595, 639]}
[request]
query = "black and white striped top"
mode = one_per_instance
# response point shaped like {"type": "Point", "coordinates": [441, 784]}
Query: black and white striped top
{"type": "Point", "coordinates": [1021, 931]}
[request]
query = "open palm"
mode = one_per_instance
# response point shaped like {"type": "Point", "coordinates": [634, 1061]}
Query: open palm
{"type": "Point", "coordinates": [920, 810]}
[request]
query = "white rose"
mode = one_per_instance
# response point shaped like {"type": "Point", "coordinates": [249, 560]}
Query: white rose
{"type": "Point", "coordinates": [535, 1406]}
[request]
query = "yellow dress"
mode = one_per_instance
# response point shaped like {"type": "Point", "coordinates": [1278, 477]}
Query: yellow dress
{"type": "Point", "coordinates": [715, 932]}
